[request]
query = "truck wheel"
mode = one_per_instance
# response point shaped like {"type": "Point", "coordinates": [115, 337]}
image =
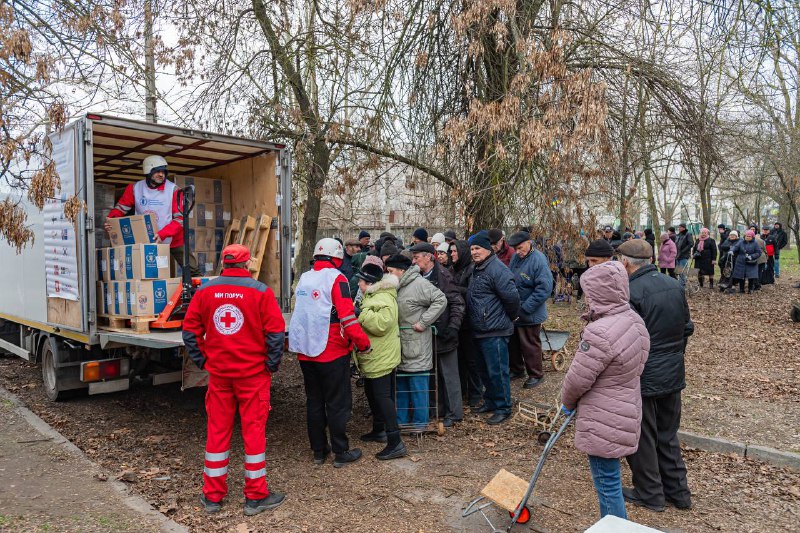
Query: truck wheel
{"type": "Point", "coordinates": [50, 374]}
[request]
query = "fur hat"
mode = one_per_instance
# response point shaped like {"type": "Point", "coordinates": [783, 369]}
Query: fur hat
{"type": "Point", "coordinates": [370, 273]}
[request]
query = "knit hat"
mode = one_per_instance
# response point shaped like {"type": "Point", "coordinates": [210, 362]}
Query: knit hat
{"type": "Point", "coordinates": [518, 238]}
{"type": "Point", "coordinates": [721, 226]}
{"type": "Point", "coordinates": [734, 233]}
{"type": "Point", "coordinates": [372, 260]}
{"type": "Point", "coordinates": [636, 248]}
{"type": "Point", "coordinates": [370, 273]}
{"type": "Point", "coordinates": [444, 247]}
{"type": "Point", "coordinates": [750, 233]}
{"type": "Point", "coordinates": [495, 235]}
{"type": "Point", "coordinates": [481, 239]}
{"type": "Point", "coordinates": [664, 237]}
{"type": "Point", "coordinates": [399, 261]}
{"type": "Point", "coordinates": [599, 248]}
{"type": "Point", "coordinates": [423, 247]}
{"type": "Point", "coordinates": [438, 237]}
{"type": "Point", "coordinates": [363, 233]}
{"type": "Point", "coordinates": [386, 234]}
{"type": "Point", "coordinates": [421, 234]}
{"type": "Point", "coordinates": [682, 225]}
{"type": "Point", "coordinates": [389, 248]}
{"type": "Point", "coordinates": [450, 234]}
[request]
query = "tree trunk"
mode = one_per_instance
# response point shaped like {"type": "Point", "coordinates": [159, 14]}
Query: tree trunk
{"type": "Point", "coordinates": [321, 157]}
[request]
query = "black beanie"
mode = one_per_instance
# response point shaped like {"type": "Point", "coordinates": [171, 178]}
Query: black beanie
{"type": "Point", "coordinates": [599, 248]}
{"type": "Point", "coordinates": [421, 234]}
{"type": "Point", "coordinates": [481, 239]}
{"type": "Point", "coordinates": [399, 261]}
{"type": "Point", "coordinates": [389, 248]}
{"type": "Point", "coordinates": [362, 234]}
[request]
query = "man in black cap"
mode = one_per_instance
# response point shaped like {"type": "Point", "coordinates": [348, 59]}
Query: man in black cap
{"type": "Point", "coordinates": [492, 306]}
{"type": "Point", "coordinates": [450, 236]}
{"type": "Point", "coordinates": [684, 242]}
{"type": "Point", "coordinates": [447, 327]}
{"type": "Point", "coordinates": [500, 246]}
{"type": "Point", "coordinates": [534, 283]}
{"type": "Point", "coordinates": [363, 239]}
{"type": "Point", "coordinates": [659, 473]}
{"type": "Point", "coordinates": [608, 233]}
{"type": "Point", "coordinates": [419, 235]}
{"type": "Point", "coordinates": [599, 251]}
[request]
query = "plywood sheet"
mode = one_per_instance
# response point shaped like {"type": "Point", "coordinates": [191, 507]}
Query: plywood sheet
{"type": "Point", "coordinates": [506, 490]}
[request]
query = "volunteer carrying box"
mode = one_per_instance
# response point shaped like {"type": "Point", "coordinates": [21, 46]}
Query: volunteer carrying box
{"type": "Point", "coordinates": [142, 297]}
{"type": "Point", "coordinates": [136, 229]}
{"type": "Point", "coordinates": [140, 261]}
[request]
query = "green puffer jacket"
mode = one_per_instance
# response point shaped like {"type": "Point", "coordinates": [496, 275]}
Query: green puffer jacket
{"type": "Point", "coordinates": [418, 301]}
{"type": "Point", "coordinates": [379, 321]}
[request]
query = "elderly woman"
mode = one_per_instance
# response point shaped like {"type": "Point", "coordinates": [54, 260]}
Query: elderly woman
{"type": "Point", "coordinates": [667, 254]}
{"type": "Point", "coordinates": [745, 262]}
{"type": "Point", "coordinates": [419, 304]}
{"type": "Point", "coordinates": [443, 256]}
{"type": "Point", "coordinates": [379, 320]}
{"type": "Point", "coordinates": [603, 381]}
{"type": "Point", "coordinates": [705, 257]}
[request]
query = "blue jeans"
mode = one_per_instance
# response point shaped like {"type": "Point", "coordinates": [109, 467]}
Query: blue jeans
{"type": "Point", "coordinates": [495, 373]}
{"type": "Point", "coordinates": [608, 484]}
{"type": "Point", "coordinates": [412, 395]}
{"type": "Point", "coordinates": [680, 266]}
{"type": "Point", "coordinates": [777, 265]}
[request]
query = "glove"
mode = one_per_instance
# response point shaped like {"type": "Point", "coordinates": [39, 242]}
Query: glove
{"type": "Point", "coordinates": [566, 411]}
{"type": "Point", "coordinates": [748, 257]}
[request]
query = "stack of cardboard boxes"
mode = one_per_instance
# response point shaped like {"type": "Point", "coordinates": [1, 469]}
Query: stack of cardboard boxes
{"type": "Point", "coordinates": [134, 273]}
{"type": "Point", "coordinates": [207, 221]}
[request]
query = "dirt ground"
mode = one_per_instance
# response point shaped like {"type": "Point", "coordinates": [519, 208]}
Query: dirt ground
{"type": "Point", "coordinates": [742, 369]}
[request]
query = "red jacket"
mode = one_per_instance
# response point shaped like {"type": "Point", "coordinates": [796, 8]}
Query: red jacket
{"type": "Point", "coordinates": [505, 254]}
{"type": "Point", "coordinates": [234, 327]}
{"type": "Point", "coordinates": [174, 229]}
{"type": "Point", "coordinates": [344, 330]}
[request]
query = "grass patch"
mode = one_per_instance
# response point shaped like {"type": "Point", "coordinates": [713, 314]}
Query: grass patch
{"type": "Point", "coordinates": [5, 402]}
{"type": "Point", "coordinates": [789, 263]}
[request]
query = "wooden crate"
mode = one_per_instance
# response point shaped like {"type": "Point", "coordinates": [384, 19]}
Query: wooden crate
{"type": "Point", "coordinates": [123, 324]}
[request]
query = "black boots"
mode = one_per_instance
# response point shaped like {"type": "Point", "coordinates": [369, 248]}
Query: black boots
{"type": "Point", "coordinates": [273, 500]}
{"type": "Point", "coordinates": [350, 456]}
{"type": "Point", "coordinates": [394, 448]}
{"type": "Point", "coordinates": [376, 435]}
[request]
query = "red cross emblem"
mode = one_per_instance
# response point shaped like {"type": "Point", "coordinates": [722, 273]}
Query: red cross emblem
{"type": "Point", "coordinates": [315, 294]}
{"type": "Point", "coordinates": [228, 319]}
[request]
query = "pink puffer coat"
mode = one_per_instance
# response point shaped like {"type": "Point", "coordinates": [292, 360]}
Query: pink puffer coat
{"type": "Point", "coordinates": [603, 379]}
{"type": "Point", "coordinates": [667, 252]}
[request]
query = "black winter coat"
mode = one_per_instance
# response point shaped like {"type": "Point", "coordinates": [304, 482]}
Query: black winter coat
{"type": "Point", "coordinates": [684, 242]}
{"type": "Point", "coordinates": [449, 322]}
{"type": "Point", "coordinates": [462, 269]}
{"type": "Point", "coordinates": [661, 302]}
{"type": "Point", "coordinates": [492, 299]}
{"type": "Point", "coordinates": [704, 260]}
{"type": "Point", "coordinates": [781, 239]}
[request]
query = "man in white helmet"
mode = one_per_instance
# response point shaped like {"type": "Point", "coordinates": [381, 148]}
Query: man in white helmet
{"type": "Point", "coordinates": [322, 333]}
{"type": "Point", "coordinates": [157, 195]}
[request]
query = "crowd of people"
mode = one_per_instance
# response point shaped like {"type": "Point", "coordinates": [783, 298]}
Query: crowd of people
{"type": "Point", "coordinates": [468, 313]}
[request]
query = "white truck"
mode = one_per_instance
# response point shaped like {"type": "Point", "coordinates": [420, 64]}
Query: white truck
{"type": "Point", "coordinates": [48, 309]}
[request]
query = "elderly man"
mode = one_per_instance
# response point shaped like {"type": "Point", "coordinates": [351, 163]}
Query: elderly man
{"type": "Point", "coordinates": [659, 473]}
{"type": "Point", "coordinates": [500, 246]}
{"type": "Point", "coordinates": [684, 242]}
{"type": "Point", "coordinates": [534, 283]}
{"type": "Point", "coordinates": [447, 327]}
{"type": "Point", "coordinates": [419, 235]}
{"type": "Point", "coordinates": [363, 240]}
{"type": "Point", "coordinates": [492, 305]}
{"type": "Point", "coordinates": [599, 251]}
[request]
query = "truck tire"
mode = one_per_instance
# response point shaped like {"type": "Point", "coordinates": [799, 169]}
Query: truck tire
{"type": "Point", "coordinates": [50, 374]}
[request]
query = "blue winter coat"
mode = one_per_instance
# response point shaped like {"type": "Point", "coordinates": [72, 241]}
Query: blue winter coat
{"type": "Point", "coordinates": [492, 299]}
{"type": "Point", "coordinates": [741, 270]}
{"type": "Point", "coordinates": [534, 283]}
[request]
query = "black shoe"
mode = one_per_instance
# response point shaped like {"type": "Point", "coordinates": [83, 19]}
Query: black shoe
{"type": "Point", "coordinates": [253, 507]}
{"type": "Point", "coordinates": [683, 506]}
{"type": "Point", "coordinates": [531, 383]}
{"type": "Point", "coordinates": [350, 456]}
{"type": "Point", "coordinates": [209, 506]}
{"type": "Point", "coordinates": [374, 436]}
{"type": "Point", "coordinates": [450, 422]}
{"type": "Point", "coordinates": [516, 375]}
{"type": "Point", "coordinates": [472, 404]}
{"type": "Point", "coordinates": [321, 457]}
{"type": "Point", "coordinates": [360, 383]}
{"type": "Point", "coordinates": [392, 451]}
{"type": "Point", "coordinates": [498, 418]}
{"type": "Point", "coordinates": [632, 497]}
{"type": "Point", "coordinates": [483, 408]}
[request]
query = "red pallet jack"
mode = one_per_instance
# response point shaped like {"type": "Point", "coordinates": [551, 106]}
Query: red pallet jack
{"type": "Point", "coordinates": [172, 315]}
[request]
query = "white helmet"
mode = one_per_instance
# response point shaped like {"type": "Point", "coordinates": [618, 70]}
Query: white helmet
{"type": "Point", "coordinates": [329, 247]}
{"type": "Point", "coordinates": [152, 162]}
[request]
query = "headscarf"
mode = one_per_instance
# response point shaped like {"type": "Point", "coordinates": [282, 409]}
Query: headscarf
{"type": "Point", "coordinates": [704, 234]}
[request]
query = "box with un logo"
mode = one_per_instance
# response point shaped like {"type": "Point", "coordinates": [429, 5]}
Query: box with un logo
{"type": "Point", "coordinates": [139, 261]}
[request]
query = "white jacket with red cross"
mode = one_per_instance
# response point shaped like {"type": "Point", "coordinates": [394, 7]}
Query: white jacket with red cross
{"type": "Point", "coordinates": [234, 327]}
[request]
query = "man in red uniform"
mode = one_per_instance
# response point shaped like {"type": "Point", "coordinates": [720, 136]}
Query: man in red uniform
{"type": "Point", "coordinates": [234, 329]}
{"type": "Point", "coordinates": [156, 195]}
{"type": "Point", "coordinates": [322, 332]}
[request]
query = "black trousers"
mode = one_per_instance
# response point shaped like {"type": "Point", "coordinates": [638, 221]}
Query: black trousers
{"type": "Point", "coordinates": [329, 403]}
{"type": "Point", "coordinates": [380, 396]}
{"type": "Point", "coordinates": [468, 369]}
{"type": "Point", "coordinates": [670, 271]}
{"type": "Point", "coordinates": [177, 255]}
{"type": "Point", "coordinates": [525, 351]}
{"type": "Point", "coordinates": [657, 466]}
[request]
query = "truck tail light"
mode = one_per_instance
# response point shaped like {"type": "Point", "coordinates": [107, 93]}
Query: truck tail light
{"type": "Point", "coordinates": [106, 369]}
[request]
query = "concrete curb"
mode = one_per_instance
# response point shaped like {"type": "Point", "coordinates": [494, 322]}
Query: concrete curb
{"type": "Point", "coordinates": [131, 499]}
{"type": "Point", "coordinates": [753, 451]}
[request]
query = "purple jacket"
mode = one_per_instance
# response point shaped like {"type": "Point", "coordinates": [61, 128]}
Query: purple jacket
{"type": "Point", "coordinates": [603, 379]}
{"type": "Point", "coordinates": [667, 253]}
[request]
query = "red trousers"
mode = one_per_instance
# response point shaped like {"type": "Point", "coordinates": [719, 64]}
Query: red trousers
{"type": "Point", "coordinates": [251, 397]}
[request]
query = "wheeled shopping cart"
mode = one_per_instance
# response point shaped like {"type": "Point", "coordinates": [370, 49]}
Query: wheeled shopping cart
{"type": "Point", "coordinates": [417, 392]}
{"type": "Point", "coordinates": [554, 347]}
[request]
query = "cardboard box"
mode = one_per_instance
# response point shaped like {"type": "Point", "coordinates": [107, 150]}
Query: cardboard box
{"type": "Point", "coordinates": [103, 298]}
{"type": "Point", "coordinates": [207, 262]}
{"type": "Point", "coordinates": [140, 261]}
{"type": "Point", "coordinates": [208, 190]}
{"type": "Point", "coordinates": [104, 199]}
{"type": "Point", "coordinates": [136, 229]}
{"type": "Point", "coordinates": [142, 297]}
{"type": "Point", "coordinates": [206, 215]}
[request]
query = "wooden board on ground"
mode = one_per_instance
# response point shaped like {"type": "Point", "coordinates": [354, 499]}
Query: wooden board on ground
{"type": "Point", "coordinates": [506, 490]}
{"type": "Point", "coordinates": [258, 244]}
{"type": "Point", "coordinates": [124, 324]}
